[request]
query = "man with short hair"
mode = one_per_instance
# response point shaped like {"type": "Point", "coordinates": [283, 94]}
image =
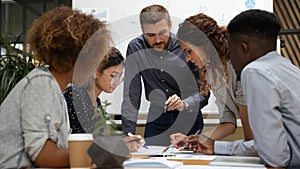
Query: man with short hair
{"type": "Point", "coordinates": [271, 85]}
{"type": "Point", "coordinates": [157, 58]}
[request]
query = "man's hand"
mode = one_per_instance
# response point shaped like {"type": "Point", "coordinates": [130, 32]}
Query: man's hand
{"type": "Point", "coordinates": [174, 103]}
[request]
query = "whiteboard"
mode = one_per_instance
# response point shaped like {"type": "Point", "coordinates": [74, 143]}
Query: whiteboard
{"type": "Point", "coordinates": [123, 16]}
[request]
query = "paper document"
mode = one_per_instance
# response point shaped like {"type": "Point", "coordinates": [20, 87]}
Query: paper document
{"type": "Point", "coordinates": [238, 161]}
{"type": "Point", "coordinates": [213, 167]}
{"type": "Point", "coordinates": [151, 163]}
{"type": "Point", "coordinates": [154, 150]}
{"type": "Point", "coordinates": [193, 157]}
{"type": "Point", "coordinates": [171, 151]}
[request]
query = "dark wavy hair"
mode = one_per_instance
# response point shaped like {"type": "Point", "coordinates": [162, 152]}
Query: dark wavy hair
{"type": "Point", "coordinates": [112, 58]}
{"type": "Point", "coordinates": [58, 36]}
{"type": "Point", "coordinates": [192, 31]}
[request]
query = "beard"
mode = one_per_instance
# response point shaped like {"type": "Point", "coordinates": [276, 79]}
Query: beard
{"type": "Point", "coordinates": [159, 46]}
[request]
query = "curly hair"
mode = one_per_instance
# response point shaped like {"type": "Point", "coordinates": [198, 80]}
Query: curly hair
{"type": "Point", "coordinates": [57, 37]}
{"type": "Point", "coordinates": [192, 30]}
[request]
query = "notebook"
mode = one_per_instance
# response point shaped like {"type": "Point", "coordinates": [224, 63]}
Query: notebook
{"type": "Point", "coordinates": [151, 164]}
{"type": "Point", "coordinates": [237, 161]}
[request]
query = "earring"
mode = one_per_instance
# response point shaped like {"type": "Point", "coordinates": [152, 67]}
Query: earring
{"type": "Point", "coordinates": [95, 75]}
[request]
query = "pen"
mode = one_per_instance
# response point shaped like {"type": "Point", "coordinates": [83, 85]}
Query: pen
{"type": "Point", "coordinates": [187, 143]}
{"type": "Point", "coordinates": [145, 146]}
{"type": "Point", "coordinates": [161, 155]}
{"type": "Point", "coordinates": [165, 108]}
{"type": "Point", "coordinates": [167, 148]}
{"type": "Point", "coordinates": [137, 140]}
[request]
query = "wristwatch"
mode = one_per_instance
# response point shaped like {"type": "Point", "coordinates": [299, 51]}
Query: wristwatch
{"type": "Point", "coordinates": [185, 105]}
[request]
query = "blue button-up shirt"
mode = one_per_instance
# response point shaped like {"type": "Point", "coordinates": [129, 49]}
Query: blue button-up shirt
{"type": "Point", "coordinates": [272, 92]}
{"type": "Point", "coordinates": [164, 74]}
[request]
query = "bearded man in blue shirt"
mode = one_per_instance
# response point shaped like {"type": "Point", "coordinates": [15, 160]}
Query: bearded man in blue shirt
{"type": "Point", "coordinates": [170, 83]}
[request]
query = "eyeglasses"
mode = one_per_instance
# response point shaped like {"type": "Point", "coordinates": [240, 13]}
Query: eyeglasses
{"type": "Point", "coordinates": [115, 78]}
{"type": "Point", "coordinates": [187, 52]}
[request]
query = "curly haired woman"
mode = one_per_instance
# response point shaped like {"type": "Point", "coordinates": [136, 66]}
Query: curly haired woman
{"type": "Point", "coordinates": [205, 45]}
{"type": "Point", "coordinates": [34, 117]}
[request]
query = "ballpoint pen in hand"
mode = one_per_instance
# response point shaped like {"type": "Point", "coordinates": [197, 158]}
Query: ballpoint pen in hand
{"type": "Point", "coordinates": [187, 143]}
{"type": "Point", "coordinates": [130, 134]}
{"type": "Point", "coordinates": [165, 108]}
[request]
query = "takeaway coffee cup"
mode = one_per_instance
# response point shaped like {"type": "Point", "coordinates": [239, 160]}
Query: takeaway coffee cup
{"type": "Point", "coordinates": [78, 146]}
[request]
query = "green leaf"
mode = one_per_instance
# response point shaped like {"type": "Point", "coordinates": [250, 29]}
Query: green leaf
{"type": "Point", "coordinates": [101, 128]}
{"type": "Point", "coordinates": [14, 64]}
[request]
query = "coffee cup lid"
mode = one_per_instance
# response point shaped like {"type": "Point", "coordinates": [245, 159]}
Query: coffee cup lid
{"type": "Point", "coordinates": [80, 137]}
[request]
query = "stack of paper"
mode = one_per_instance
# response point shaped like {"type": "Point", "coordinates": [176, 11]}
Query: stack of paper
{"type": "Point", "coordinates": [151, 164]}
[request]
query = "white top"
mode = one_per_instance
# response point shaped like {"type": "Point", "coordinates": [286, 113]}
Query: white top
{"type": "Point", "coordinates": [231, 94]}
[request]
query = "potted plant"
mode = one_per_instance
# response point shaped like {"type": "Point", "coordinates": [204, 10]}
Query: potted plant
{"type": "Point", "coordinates": [14, 64]}
{"type": "Point", "coordinates": [101, 127]}
{"type": "Point", "coordinates": [108, 149]}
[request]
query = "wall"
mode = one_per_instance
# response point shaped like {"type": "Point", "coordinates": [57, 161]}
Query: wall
{"type": "Point", "coordinates": [123, 18]}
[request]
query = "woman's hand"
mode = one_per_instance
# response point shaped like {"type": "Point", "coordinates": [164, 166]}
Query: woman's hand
{"type": "Point", "coordinates": [134, 142]}
{"type": "Point", "coordinates": [201, 143]}
{"type": "Point", "coordinates": [178, 140]}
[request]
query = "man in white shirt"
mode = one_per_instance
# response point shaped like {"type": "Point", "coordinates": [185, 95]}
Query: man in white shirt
{"type": "Point", "coordinates": [271, 85]}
